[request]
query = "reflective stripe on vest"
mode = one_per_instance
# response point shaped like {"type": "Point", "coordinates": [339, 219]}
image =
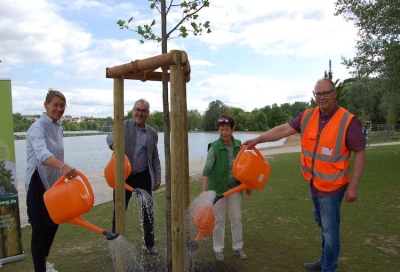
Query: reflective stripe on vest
{"type": "Point", "coordinates": [325, 158]}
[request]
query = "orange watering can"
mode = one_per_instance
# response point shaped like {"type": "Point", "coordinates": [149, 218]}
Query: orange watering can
{"type": "Point", "coordinates": [67, 200]}
{"type": "Point", "coordinates": [204, 219]}
{"type": "Point", "coordinates": [250, 169]}
{"type": "Point", "coordinates": [109, 172]}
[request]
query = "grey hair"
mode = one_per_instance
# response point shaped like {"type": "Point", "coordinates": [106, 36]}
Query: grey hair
{"type": "Point", "coordinates": [51, 93]}
{"type": "Point", "coordinates": [142, 101]}
{"type": "Point", "coordinates": [327, 80]}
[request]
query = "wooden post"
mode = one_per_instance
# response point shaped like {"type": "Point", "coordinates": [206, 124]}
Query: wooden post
{"type": "Point", "coordinates": [177, 179]}
{"type": "Point", "coordinates": [186, 191]}
{"type": "Point", "coordinates": [119, 149]}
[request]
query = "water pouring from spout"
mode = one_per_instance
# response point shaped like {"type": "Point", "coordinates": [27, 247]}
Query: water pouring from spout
{"type": "Point", "coordinates": [204, 219]}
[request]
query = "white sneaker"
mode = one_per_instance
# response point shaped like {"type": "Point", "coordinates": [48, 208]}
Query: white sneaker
{"type": "Point", "coordinates": [240, 253]}
{"type": "Point", "coordinates": [50, 267]}
{"type": "Point", "coordinates": [219, 256]}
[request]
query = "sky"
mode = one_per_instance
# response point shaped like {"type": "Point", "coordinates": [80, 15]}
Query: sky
{"type": "Point", "coordinates": [259, 53]}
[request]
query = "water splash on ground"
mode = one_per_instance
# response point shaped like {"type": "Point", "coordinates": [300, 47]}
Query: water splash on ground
{"type": "Point", "coordinates": [131, 255]}
{"type": "Point", "coordinates": [196, 259]}
{"type": "Point", "coordinates": [124, 255]}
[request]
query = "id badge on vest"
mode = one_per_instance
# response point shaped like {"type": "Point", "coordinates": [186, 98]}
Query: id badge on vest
{"type": "Point", "coordinates": [326, 151]}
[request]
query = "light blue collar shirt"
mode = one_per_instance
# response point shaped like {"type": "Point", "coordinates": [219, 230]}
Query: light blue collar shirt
{"type": "Point", "coordinates": [140, 150]}
{"type": "Point", "coordinates": [44, 139]}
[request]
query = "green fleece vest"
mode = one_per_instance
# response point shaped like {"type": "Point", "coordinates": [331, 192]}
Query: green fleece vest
{"type": "Point", "coordinates": [219, 177]}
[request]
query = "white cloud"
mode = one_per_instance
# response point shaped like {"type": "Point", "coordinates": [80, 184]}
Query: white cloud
{"type": "Point", "coordinates": [233, 90]}
{"type": "Point", "coordinates": [288, 27]}
{"type": "Point", "coordinates": [259, 52]}
{"type": "Point", "coordinates": [33, 31]}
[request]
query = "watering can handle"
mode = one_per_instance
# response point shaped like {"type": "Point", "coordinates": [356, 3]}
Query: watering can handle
{"type": "Point", "coordinates": [244, 147]}
{"type": "Point", "coordinates": [257, 152]}
{"type": "Point", "coordinates": [84, 179]}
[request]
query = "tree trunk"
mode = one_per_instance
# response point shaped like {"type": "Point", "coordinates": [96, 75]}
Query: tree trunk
{"type": "Point", "coordinates": [167, 136]}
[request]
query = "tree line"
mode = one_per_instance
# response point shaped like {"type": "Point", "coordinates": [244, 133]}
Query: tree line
{"type": "Point", "coordinates": [364, 97]}
{"type": "Point", "coordinates": [21, 124]}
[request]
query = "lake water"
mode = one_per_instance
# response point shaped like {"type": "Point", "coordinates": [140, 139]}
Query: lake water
{"type": "Point", "coordinates": [90, 154]}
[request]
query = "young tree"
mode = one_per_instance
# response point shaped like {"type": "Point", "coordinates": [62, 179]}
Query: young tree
{"type": "Point", "coordinates": [189, 15]}
{"type": "Point", "coordinates": [187, 24]}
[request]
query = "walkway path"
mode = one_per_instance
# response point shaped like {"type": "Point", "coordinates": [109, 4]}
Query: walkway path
{"type": "Point", "coordinates": [103, 193]}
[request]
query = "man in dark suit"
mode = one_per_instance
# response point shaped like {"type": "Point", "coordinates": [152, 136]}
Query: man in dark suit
{"type": "Point", "coordinates": [141, 149]}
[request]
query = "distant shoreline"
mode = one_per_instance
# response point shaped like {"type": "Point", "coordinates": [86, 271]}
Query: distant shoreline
{"type": "Point", "coordinates": [67, 134]}
{"type": "Point", "coordinates": [74, 134]}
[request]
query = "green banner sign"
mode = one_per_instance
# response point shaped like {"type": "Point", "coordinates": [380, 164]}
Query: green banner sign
{"type": "Point", "coordinates": [10, 224]}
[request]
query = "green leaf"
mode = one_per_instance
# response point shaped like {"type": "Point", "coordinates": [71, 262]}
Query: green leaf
{"type": "Point", "coordinates": [183, 29]}
{"type": "Point", "coordinates": [194, 6]}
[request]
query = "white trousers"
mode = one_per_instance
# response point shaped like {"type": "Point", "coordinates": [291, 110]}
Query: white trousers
{"type": "Point", "coordinates": [234, 203]}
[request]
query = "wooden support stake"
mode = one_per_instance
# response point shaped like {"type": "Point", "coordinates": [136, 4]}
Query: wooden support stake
{"type": "Point", "coordinates": [185, 130]}
{"type": "Point", "coordinates": [119, 149]}
{"type": "Point", "coordinates": [138, 66]}
{"type": "Point", "coordinates": [177, 179]}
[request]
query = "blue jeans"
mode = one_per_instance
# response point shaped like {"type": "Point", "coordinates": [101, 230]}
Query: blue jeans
{"type": "Point", "coordinates": [327, 215]}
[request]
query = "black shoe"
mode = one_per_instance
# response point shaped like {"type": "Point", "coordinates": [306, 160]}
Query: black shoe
{"type": "Point", "coordinates": [316, 266]}
{"type": "Point", "coordinates": [153, 250]}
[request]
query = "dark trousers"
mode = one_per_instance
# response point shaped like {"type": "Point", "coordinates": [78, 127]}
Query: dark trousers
{"type": "Point", "coordinates": [43, 228]}
{"type": "Point", "coordinates": [141, 181]}
{"type": "Point", "coordinates": [42, 239]}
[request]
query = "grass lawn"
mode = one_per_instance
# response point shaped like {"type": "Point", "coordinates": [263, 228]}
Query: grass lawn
{"type": "Point", "coordinates": [278, 226]}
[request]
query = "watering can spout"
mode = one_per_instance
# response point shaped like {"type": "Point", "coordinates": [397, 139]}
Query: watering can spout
{"type": "Point", "coordinates": [217, 197]}
{"type": "Point", "coordinates": [192, 246]}
{"type": "Point", "coordinates": [110, 235]}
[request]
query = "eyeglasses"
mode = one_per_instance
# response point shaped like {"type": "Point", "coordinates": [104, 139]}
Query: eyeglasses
{"type": "Point", "coordinates": [323, 94]}
{"type": "Point", "coordinates": [141, 111]}
{"type": "Point", "coordinates": [221, 120]}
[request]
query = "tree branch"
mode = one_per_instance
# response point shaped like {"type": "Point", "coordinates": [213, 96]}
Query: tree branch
{"type": "Point", "coordinates": [184, 19]}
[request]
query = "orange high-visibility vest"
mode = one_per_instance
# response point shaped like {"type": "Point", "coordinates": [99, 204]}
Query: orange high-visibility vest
{"type": "Point", "coordinates": [324, 157]}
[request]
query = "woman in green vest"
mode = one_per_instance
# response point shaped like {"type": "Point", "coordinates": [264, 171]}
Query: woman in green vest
{"type": "Point", "coordinates": [218, 177]}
